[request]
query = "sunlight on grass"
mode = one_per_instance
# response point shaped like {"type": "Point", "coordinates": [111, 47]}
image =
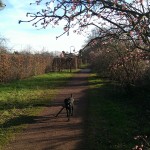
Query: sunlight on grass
{"type": "Point", "coordinates": [20, 100]}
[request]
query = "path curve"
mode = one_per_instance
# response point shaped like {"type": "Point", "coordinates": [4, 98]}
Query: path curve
{"type": "Point", "coordinates": [50, 133]}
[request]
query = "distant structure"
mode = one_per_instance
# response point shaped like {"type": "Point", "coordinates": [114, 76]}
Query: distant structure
{"type": "Point", "coordinates": [65, 61]}
{"type": "Point", "coordinates": [62, 55]}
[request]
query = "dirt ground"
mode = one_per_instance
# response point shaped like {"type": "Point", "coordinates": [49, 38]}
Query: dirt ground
{"type": "Point", "coordinates": [51, 133]}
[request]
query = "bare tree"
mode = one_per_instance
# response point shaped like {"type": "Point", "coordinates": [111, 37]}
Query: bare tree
{"type": "Point", "coordinates": [2, 5]}
{"type": "Point", "coordinates": [3, 47]}
{"type": "Point", "coordinates": [129, 19]}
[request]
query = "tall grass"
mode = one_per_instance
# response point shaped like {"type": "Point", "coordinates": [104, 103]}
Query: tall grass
{"type": "Point", "coordinates": [115, 118]}
{"type": "Point", "coordinates": [21, 100]}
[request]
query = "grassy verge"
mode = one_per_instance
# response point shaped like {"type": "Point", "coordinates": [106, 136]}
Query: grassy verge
{"type": "Point", "coordinates": [83, 66]}
{"type": "Point", "coordinates": [21, 100]}
{"type": "Point", "coordinates": [114, 117]}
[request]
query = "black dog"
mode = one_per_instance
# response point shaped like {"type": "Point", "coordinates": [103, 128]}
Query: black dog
{"type": "Point", "coordinates": [69, 104]}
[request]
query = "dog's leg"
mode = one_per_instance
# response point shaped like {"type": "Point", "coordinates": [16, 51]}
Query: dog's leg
{"type": "Point", "coordinates": [67, 112]}
{"type": "Point", "coordinates": [72, 111]}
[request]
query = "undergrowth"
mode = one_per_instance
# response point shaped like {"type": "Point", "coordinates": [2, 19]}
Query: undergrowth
{"type": "Point", "coordinates": [20, 101]}
{"type": "Point", "coordinates": [115, 118]}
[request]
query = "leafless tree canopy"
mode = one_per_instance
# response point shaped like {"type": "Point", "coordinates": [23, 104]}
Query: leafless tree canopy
{"type": "Point", "coordinates": [2, 5]}
{"type": "Point", "coordinates": [124, 20]}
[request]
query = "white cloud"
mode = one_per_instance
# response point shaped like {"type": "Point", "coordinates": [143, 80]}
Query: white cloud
{"type": "Point", "coordinates": [24, 34]}
{"type": "Point", "coordinates": [46, 40]}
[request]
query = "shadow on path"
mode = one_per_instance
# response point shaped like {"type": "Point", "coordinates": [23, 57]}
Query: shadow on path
{"type": "Point", "coordinates": [46, 132]}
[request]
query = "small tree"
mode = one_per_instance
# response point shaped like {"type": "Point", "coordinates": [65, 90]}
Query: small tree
{"type": "Point", "coordinates": [3, 48]}
{"type": "Point", "coordinates": [2, 5]}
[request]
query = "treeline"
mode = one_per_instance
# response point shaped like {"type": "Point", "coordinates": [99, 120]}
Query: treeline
{"type": "Point", "coordinates": [20, 66]}
{"type": "Point", "coordinates": [119, 60]}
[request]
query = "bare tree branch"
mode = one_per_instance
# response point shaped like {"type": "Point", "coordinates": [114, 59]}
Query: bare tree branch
{"type": "Point", "coordinates": [132, 19]}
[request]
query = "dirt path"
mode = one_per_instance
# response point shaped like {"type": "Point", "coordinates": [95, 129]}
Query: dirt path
{"type": "Point", "coordinates": [50, 133]}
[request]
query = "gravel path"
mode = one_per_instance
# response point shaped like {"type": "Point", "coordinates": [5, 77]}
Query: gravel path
{"type": "Point", "coordinates": [51, 133]}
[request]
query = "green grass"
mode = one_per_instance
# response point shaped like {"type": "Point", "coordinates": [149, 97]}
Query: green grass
{"type": "Point", "coordinates": [21, 100]}
{"type": "Point", "coordinates": [115, 118]}
{"type": "Point", "coordinates": [83, 66]}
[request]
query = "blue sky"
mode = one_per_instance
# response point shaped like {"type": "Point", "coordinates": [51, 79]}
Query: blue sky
{"type": "Point", "coordinates": [21, 36]}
